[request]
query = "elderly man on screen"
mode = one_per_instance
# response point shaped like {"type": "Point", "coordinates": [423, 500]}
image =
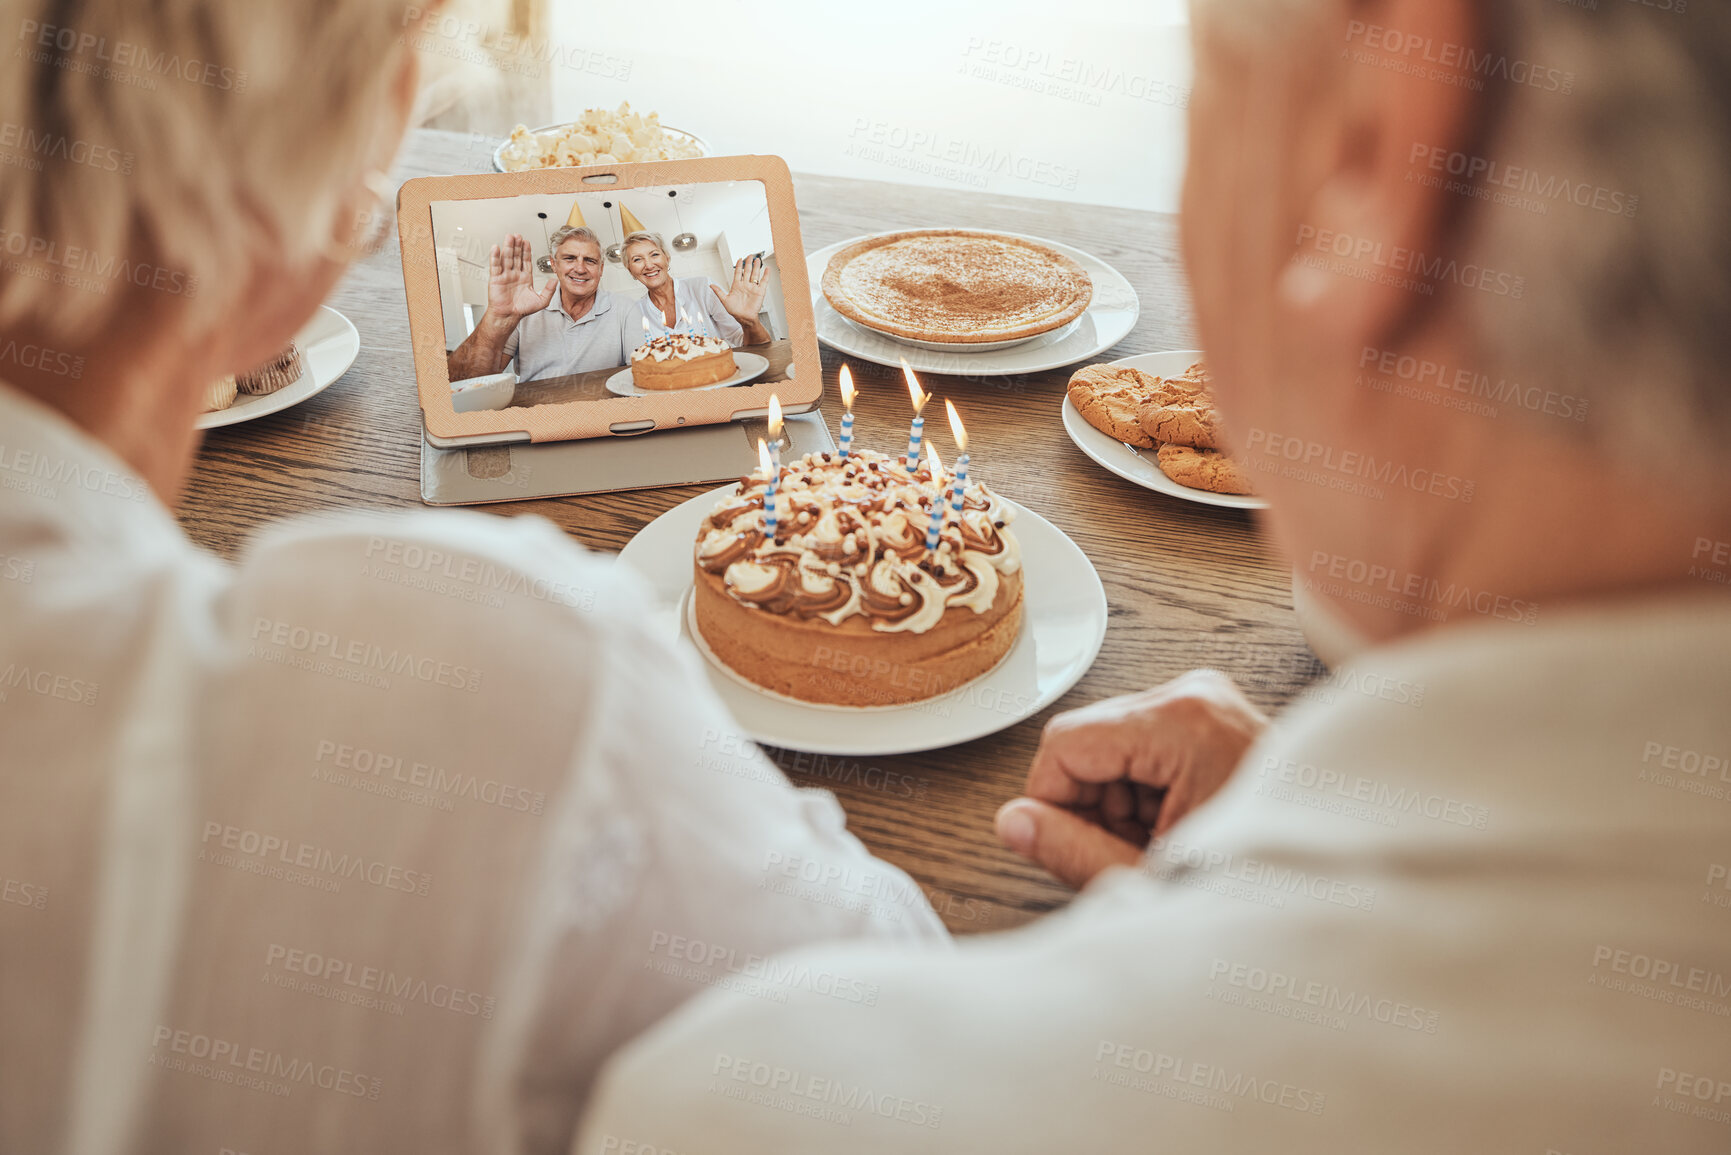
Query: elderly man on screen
{"type": "Point", "coordinates": [569, 325]}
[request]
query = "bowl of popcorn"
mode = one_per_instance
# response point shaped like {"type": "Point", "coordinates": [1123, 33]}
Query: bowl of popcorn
{"type": "Point", "coordinates": [600, 136]}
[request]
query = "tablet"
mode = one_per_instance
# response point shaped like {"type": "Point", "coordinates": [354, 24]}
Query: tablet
{"type": "Point", "coordinates": [607, 301]}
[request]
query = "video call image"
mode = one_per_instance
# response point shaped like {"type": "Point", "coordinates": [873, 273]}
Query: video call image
{"type": "Point", "coordinates": [600, 295]}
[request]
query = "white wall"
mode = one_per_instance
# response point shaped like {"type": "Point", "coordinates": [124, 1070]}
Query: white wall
{"type": "Point", "coordinates": [1064, 99]}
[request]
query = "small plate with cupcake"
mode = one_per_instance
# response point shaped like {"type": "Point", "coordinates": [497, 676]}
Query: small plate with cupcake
{"type": "Point", "coordinates": [320, 353]}
{"type": "Point", "coordinates": [841, 630]}
{"type": "Point", "coordinates": [1151, 420]}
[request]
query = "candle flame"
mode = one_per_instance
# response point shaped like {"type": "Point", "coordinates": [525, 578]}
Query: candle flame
{"type": "Point", "coordinates": [956, 426]}
{"type": "Point", "coordinates": [763, 459]}
{"type": "Point", "coordinates": [848, 392]}
{"type": "Point", "coordinates": [935, 462]}
{"type": "Point", "coordinates": [919, 395]}
{"type": "Point", "coordinates": [774, 415]}
{"type": "Point", "coordinates": [646, 329]}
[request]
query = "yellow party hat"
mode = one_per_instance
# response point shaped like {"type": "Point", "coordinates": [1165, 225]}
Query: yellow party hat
{"type": "Point", "coordinates": [632, 224]}
{"type": "Point", "coordinates": [575, 220]}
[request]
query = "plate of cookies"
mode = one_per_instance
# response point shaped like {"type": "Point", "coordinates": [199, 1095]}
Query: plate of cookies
{"type": "Point", "coordinates": [1151, 420]}
{"type": "Point", "coordinates": [320, 353]}
{"type": "Point", "coordinates": [969, 302]}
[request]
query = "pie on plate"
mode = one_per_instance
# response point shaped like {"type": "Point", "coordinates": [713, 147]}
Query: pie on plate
{"type": "Point", "coordinates": [956, 286]}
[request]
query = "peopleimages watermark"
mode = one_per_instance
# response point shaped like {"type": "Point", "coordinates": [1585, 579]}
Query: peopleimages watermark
{"type": "Point", "coordinates": [1718, 876]}
{"type": "Point", "coordinates": [303, 863]}
{"type": "Point", "coordinates": [1404, 592]}
{"type": "Point", "coordinates": [1251, 879]}
{"type": "Point", "coordinates": [1191, 1080]}
{"type": "Point", "coordinates": [1322, 1004]}
{"type": "Point", "coordinates": [121, 60]}
{"type": "Point", "coordinates": [85, 270]}
{"type": "Point", "coordinates": [1700, 772]}
{"type": "Point", "coordinates": [413, 781]}
{"type": "Point", "coordinates": [1367, 258]}
{"type": "Point", "coordinates": [812, 1096]}
{"type": "Point", "coordinates": [17, 892]}
{"type": "Point", "coordinates": [883, 682]}
{"type": "Point", "coordinates": [1683, 1093]}
{"type": "Point", "coordinates": [30, 146]}
{"type": "Point", "coordinates": [1661, 980]}
{"type": "Point", "coordinates": [303, 646]}
{"type": "Point", "coordinates": [1064, 77]}
{"type": "Point", "coordinates": [1348, 470]}
{"type": "Point", "coordinates": [1448, 62]}
{"type": "Point", "coordinates": [255, 1068]}
{"type": "Point", "coordinates": [759, 976]}
{"type": "Point", "coordinates": [374, 988]}
{"type": "Point", "coordinates": [1356, 796]}
{"type": "Point", "coordinates": [47, 684]}
{"type": "Point", "coordinates": [1512, 185]}
{"type": "Point", "coordinates": [1717, 554]}
{"type": "Point", "coordinates": [441, 33]}
{"type": "Point", "coordinates": [42, 475]}
{"type": "Point", "coordinates": [874, 893]}
{"type": "Point", "coordinates": [41, 359]}
{"type": "Point", "coordinates": [430, 568]}
{"type": "Point", "coordinates": [930, 152]}
{"type": "Point", "coordinates": [1467, 390]}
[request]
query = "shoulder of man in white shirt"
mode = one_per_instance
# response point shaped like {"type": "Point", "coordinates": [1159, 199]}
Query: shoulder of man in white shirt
{"type": "Point", "coordinates": [1332, 945]}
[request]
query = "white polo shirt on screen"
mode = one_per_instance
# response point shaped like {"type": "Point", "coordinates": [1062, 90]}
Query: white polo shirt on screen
{"type": "Point", "coordinates": [548, 343]}
{"type": "Point", "coordinates": [1478, 902]}
{"type": "Point", "coordinates": [380, 840]}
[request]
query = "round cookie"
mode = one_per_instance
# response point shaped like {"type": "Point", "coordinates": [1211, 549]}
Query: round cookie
{"type": "Point", "coordinates": [1206, 469]}
{"type": "Point", "coordinates": [1190, 421]}
{"type": "Point", "coordinates": [1110, 398]}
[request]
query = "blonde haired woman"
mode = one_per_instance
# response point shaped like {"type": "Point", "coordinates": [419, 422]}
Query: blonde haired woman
{"type": "Point", "coordinates": [291, 858]}
{"type": "Point", "coordinates": [695, 304]}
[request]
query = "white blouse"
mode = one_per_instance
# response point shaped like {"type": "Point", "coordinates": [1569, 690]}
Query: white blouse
{"type": "Point", "coordinates": [695, 304]}
{"type": "Point", "coordinates": [380, 840]}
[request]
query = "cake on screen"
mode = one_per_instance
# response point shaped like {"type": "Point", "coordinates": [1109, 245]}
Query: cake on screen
{"type": "Point", "coordinates": [847, 606]}
{"type": "Point", "coordinates": [681, 361]}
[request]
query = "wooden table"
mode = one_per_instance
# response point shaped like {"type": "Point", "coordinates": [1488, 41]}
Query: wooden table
{"type": "Point", "coordinates": [1188, 585]}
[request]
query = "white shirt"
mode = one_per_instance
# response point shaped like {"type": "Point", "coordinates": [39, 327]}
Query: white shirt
{"type": "Point", "coordinates": [381, 840]}
{"type": "Point", "coordinates": [695, 305]}
{"type": "Point", "coordinates": [548, 343]}
{"type": "Point", "coordinates": [1478, 902]}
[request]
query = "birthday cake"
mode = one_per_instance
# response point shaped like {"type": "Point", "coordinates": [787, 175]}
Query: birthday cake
{"type": "Point", "coordinates": [847, 606]}
{"type": "Point", "coordinates": [681, 361]}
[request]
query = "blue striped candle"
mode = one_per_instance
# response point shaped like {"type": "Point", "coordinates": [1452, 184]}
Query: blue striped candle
{"type": "Point", "coordinates": [914, 436]}
{"type": "Point", "coordinates": [961, 484]}
{"type": "Point", "coordinates": [936, 529]}
{"type": "Point", "coordinates": [846, 434]}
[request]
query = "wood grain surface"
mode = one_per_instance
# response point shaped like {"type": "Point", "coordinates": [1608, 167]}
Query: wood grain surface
{"type": "Point", "coordinates": [1188, 585]}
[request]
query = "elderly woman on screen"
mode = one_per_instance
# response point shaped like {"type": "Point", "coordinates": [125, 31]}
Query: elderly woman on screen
{"type": "Point", "coordinates": [695, 304]}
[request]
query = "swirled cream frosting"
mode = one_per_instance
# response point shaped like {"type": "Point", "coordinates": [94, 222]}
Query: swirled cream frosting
{"type": "Point", "coordinates": [679, 347]}
{"type": "Point", "coordinates": [851, 540]}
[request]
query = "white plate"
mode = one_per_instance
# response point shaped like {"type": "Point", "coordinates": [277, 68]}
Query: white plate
{"type": "Point", "coordinates": [1140, 465]}
{"type": "Point", "coordinates": [751, 366]}
{"type": "Point", "coordinates": [1108, 320]}
{"type": "Point", "coordinates": [1063, 624]}
{"type": "Point", "coordinates": [499, 152]}
{"type": "Point", "coordinates": [329, 344]}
